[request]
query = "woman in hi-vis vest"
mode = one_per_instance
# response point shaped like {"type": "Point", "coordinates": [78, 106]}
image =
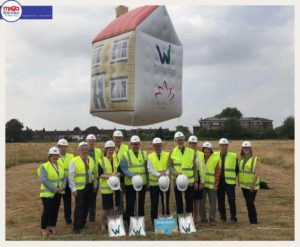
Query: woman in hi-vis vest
{"type": "Point", "coordinates": [248, 179]}
{"type": "Point", "coordinates": [209, 181]}
{"type": "Point", "coordinates": [53, 182]}
{"type": "Point", "coordinates": [109, 167]}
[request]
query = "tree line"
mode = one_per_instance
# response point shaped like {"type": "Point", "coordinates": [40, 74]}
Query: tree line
{"type": "Point", "coordinates": [16, 132]}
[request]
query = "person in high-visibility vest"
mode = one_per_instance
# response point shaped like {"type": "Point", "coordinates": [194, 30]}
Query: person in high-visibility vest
{"type": "Point", "coordinates": [83, 183]}
{"type": "Point", "coordinates": [198, 194]}
{"type": "Point", "coordinates": [248, 179]}
{"type": "Point", "coordinates": [158, 166]}
{"type": "Point", "coordinates": [66, 158]}
{"type": "Point", "coordinates": [210, 175]}
{"type": "Point", "coordinates": [53, 182]}
{"type": "Point", "coordinates": [182, 160]}
{"type": "Point", "coordinates": [134, 162]}
{"type": "Point", "coordinates": [120, 149]}
{"type": "Point", "coordinates": [109, 167]}
{"type": "Point", "coordinates": [229, 167]}
{"type": "Point", "coordinates": [96, 154]}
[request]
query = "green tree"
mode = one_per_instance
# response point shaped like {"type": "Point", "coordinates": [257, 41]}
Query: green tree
{"type": "Point", "coordinates": [185, 130]}
{"type": "Point", "coordinates": [77, 129]}
{"type": "Point", "coordinates": [232, 128]}
{"type": "Point", "coordinates": [232, 112]}
{"type": "Point", "coordinates": [92, 130]}
{"type": "Point", "coordinates": [27, 134]}
{"type": "Point", "coordinates": [288, 127]}
{"type": "Point", "coordinates": [13, 130]}
{"type": "Point", "coordinates": [160, 133]}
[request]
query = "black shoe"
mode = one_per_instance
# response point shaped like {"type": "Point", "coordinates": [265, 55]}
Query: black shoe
{"type": "Point", "coordinates": [69, 222]}
{"type": "Point", "coordinates": [212, 223]}
{"type": "Point", "coordinates": [76, 231]}
{"type": "Point", "coordinates": [223, 220]}
{"type": "Point", "coordinates": [233, 220]}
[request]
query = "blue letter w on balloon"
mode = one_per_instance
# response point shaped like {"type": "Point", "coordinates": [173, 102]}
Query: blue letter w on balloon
{"type": "Point", "coordinates": [164, 58]}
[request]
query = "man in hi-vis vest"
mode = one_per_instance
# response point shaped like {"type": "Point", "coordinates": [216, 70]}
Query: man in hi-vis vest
{"type": "Point", "coordinates": [120, 149]}
{"type": "Point", "coordinates": [229, 167]}
{"type": "Point", "coordinates": [66, 158]}
{"type": "Point", "coordinates": [134, 162]}
{"type": "Point", "coordinates": [95, 154]}
{"type": "Point", "coordinates": [182, 160]}
{"type": "Point", "coordinates": [83, 183]}
{"type": "Point", "coordinates": [157, 167]}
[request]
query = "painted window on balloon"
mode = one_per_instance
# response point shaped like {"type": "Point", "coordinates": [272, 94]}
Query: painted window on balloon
{"type": "Point", "coordinates": [97, 56]}
{"type": "Point", "coordinates": [98, 91]}
{"type": "Point", "coordinates": [120, 51]}
{"type": "Point", "coordinates": [118, 89]}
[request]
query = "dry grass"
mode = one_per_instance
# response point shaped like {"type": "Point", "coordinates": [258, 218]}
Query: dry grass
{"type": "Point", "coordinates": [275, 207]}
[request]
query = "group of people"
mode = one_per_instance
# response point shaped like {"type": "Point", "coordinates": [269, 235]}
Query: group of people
{"type": "Point", "coordinates": [209, 173]}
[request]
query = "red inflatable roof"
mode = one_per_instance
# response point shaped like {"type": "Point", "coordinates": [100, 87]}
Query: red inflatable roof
{"type": "Point", "coordinates": [126, 22]}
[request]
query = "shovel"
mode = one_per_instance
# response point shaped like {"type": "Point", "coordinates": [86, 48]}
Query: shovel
{"type": "Point", "coordinates": [165, 225]}
{"type": "Point", "coordinates": [137, 223]}
{"type": "Point", "coordinates": [186, 221]}
{"type": "Point", "coordinates": [115, 223]}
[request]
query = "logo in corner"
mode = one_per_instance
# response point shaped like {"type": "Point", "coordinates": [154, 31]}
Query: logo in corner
{"type": "Point", "coordinates": [11, 11]}
{"type": "Point", "coordinates": [165, 91]}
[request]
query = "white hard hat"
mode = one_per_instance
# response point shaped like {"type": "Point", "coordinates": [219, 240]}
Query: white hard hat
{"type": "Point", "coordinates": [82, 144]}
{"type": "Point", "coordinates": [157, 140]}
{"type": "Point", "coordinates": [62, 142]}
{"type": "Point", "coordinates": [91, 137]}
{"type": "Point", "coordinates": [164, 183]}
{"type": "Point", "coordinates": [193, 139]}
{"type": "Point", "coordinates": [246, 144]}
{"type": "Point", "coordinates": [135, 139]}
{"type": "Point", "coordinates": [137, 182]}
{"type": "Point", "coordinates": [182, 182]}
{"type": "Point", "coordinates": [53, 150]}
{"type": "Point", "coordinates": [223, 141]}
{"type": "Point", "coordinates": [178, 134]}
{"type": "Point", "coordinates": [109, 144]}
{"type": "Point", "coordinates": [117, 133]}
{"type": "Point", "coordinates": [207, 145]}
{"type": "Point", "coordinates": [113, 183]}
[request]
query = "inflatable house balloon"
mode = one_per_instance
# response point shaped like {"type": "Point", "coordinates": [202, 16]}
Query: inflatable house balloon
{"type": "Point", "coordinates": [137, 68]}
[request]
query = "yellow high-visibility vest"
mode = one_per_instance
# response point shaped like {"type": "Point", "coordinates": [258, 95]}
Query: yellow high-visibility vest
{"type": "Point", "coordinates": [135, 165]}
{"type": "Point", "coordinates": [183, 163]}
{"type": "Point", "coordinates": [209, 173]}
{"type": "Point", "coordinates": [246, 173]}
{"type": "Point", "coordinates": [80, 178]}
{"type": "Point", "coordinates": [66, 162]}
{"type": "Point", "coordinates": [159, 165]}
{"type": "Point", "coordinates": [107, 169]}
{"type": "Point", "coordinates": [123, 149]}
{"type": "Point", "coordinates": [229, 167]}
{"type": "Point", "coordinates": [53, 177]}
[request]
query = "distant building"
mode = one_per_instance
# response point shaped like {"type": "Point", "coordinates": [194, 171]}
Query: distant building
{"type": "Point", "coordinates": [247, 122]}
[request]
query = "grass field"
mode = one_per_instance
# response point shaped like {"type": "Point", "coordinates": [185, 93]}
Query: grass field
{"type": "Point", "coordinates": [275, 207]}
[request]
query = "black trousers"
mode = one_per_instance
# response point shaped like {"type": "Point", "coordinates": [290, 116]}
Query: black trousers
{"type": "Point", "coordinates": [50, 211]}
{"type": "Point", "coordinates": [130, 195]}
{"type": "Point", "coordinates": [82, 206]}
{"type": "Point", "coordinates": [92, 205]}
{"type": "Point", "coordinates": [250, 198]}
{"type": "Point", "coordinates": [189, 198]}
{"type": "Point", "coordinates": [229, 190]}
{"type": "Point", "coordinates": [67, 198]}
{"type": "Point", "coordinates": [155, 192]}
